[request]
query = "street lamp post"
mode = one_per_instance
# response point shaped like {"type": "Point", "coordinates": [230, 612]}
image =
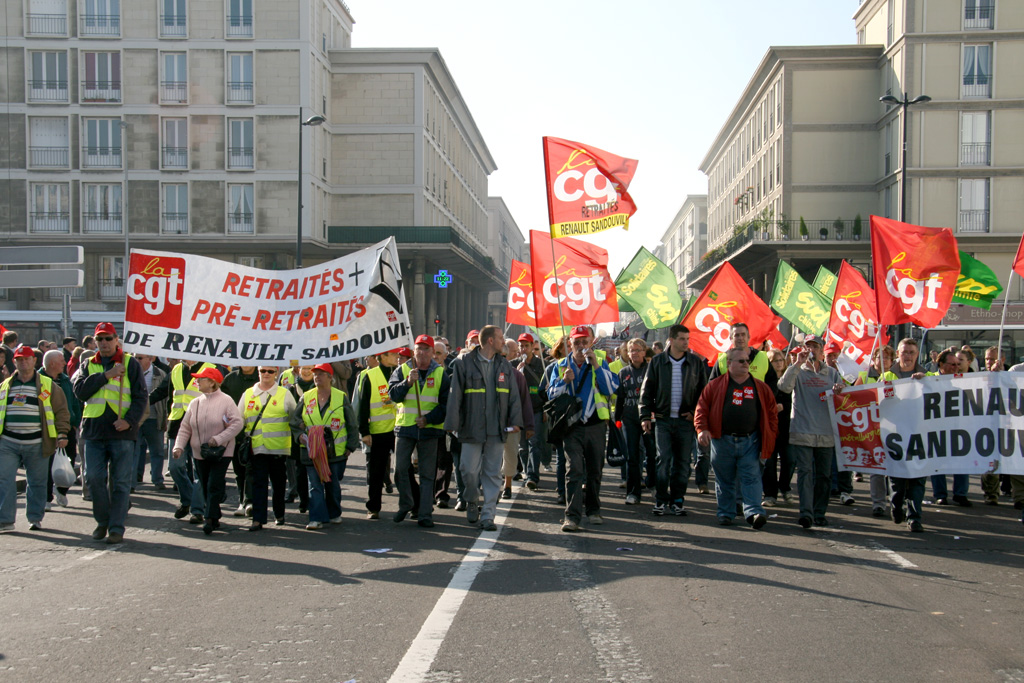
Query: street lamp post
{"type": "Point", "coordinates": [314, 120]}
{"type": "Point", "coordinates": [124, 204]}
{"type": "Point", "coordinates": [904, 103]}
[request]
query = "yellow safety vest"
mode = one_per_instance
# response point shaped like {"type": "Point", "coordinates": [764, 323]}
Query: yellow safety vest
{"type": "Point", "coordinates": [382, 409]}
{"type": "Point", "coordinates": [758, 367]}
{"type": "Point", "coordinates": [272, 434]}
{"type": "Point", "coordinates": [45, 391]}
{"type": "Point", "coordinates": [333, 418]}
{"type": "Point", "coordinates": [288, 378]}
{"type": "Point", "coordinates": [600, 400]}
{"type": "Point", "coordinates": [408, 410]}
{"type": "Point", "coordinates": [115, 393]}
{"type": "Point", "coordinates": [182, 395]}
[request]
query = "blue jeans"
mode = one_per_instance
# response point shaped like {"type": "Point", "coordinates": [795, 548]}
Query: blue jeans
{"type": "Point", "coordinates": [909, 490]}
{"type": "Point", "coordinates": [635, 435]}
{"type": "Point", "coordinates": [529, 451]}
{"type": "Point", "coordinates": [325, 500]}
{"type": "Point", "coordinates": [702, 466]}
{"type": "Point", "coordinates": [737, 459]}
{"type": "Point", "coordinates": [150, 439]}
{"type": "Point", "coordinates": [673, 437]}
{"type": "Point", "coordinates": [813, 478]}
{"type": "Point", "coordinates": [189, 491]}
{"type": "Point", "coordinates": [110, 460]}
{"type": "Point", "coordinates": [30, 456]}
{"type": "Point", "coordinates": [961, 483]}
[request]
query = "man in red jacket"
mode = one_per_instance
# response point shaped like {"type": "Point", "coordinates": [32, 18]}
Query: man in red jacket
{"type": "Point", "coordinates": [746, 406]}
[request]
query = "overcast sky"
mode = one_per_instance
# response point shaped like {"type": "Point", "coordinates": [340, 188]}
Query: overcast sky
{"type": "Point", "coordinates": [653, 81]}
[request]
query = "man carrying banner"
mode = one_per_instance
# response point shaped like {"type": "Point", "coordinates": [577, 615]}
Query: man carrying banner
{"type": "Point", "coordinates": [736, 417]}
{"type": "Point", "coordinates": [811, 441]}
{"type": "Point", "coordinates": [948, 365]}
{"type": "Point", "coordinates": [906, 365]}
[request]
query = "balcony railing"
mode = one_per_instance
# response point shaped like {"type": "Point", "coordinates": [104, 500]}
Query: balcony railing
{"type": "Point", "coordinates": [977, 86]}
{"type": "Point", "coordinates": [105, 25]}
{"type": "Point", "coordinates": [239, 26]}
{"type": "Point", "coordinates": [978, 15]}
{"type": "Point", "coordinates": [50, 221]}
{"type": "Point", "coordinates": [173, 26]}
{"type": "Point", "coordinates": [101, 91]}
{"type": "Point", "coordinates": [174, 92]}
{"type": "Point", "coordinates": [112, 288]}
{"type": "Point", "coordinates": [47, 25]}
{"type": "Point", "coordinates": [175, 157]}
{"type": "Point", "coordinates": [240, 223]}
{"type": "Point", "coordinates": [48, 157]}
{"type": "Point", "coordinates": [45, 90]}
{"type": "Point", "coordinates": [239, 92]}
{"type": "Point", "coordinates": [59, 292]}
{"type": "Point", "coordinates": [101, 157]}
{"type": "Point", "coordinates": [101, 222]}
{"type": "Point", "coordinates": [174, 223]}
{"type": "Point", "coordinates": [240, 157]}
{"type": "Point", "coordinates": [973, 220]}
{"type": "Point", "coordinates": [975, 154]}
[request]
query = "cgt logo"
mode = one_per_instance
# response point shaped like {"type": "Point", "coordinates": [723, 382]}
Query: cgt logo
{"type": "Point", "coordinates": [595, 185]}
{"type": "Point", "coordinates": [710, 320]}
{"type": "Point", "coordinates": [155, 290]}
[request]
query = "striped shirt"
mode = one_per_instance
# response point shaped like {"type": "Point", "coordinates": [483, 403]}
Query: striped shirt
{"type": "Point", "coordinates": [675, 406]}
{"type": "Point", "coordinates": [21, 421]}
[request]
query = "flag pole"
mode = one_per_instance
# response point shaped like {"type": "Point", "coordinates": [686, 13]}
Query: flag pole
{"type": "Point", "coordinates": [1002, 319]}
{"type": "Point", "coordinates": [551, 236]}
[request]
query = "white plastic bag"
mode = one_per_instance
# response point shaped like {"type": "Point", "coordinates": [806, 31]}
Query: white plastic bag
{"type": "Point", "coordinates": [63, 472]}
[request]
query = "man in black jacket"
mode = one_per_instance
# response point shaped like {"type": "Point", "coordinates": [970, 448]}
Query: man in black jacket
{"type": "Point", "coordinates": [532, 368]}
{"type": "Point", "coordinates": [668, 398]}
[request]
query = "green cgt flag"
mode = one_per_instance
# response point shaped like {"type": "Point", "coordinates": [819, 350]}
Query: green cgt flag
{"type": "Point", "coordinates": [977, 285]}
{"type": "Point", "coordinates": [651, 289]}
{"type": "Point", "coordinates": [549, 336]}
{"type": "Point", "coordinates": [799, 302]}
{"type": "Point", "coordinates": [825, 282]}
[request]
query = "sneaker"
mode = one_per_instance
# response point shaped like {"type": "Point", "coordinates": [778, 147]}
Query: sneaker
{"type": "Point", "coordinates": [160, 486]}
{"type": "Point", "coordinates": [658, 510]}
{"type": "Point", "coordinates": [248, 510]}
{"type": "Point", "coordinates": [878, 512]}
{"type": "Point", "coordinates": [488, 525]}
{"type": "Point", "coordinates": [821, 521]}
{"type": "Point", "coordinates": [787, 497]}
{"type": "Point", "coordinates": [370, 514]}
{"type": "Point", "coordinates": [48, 506]}
{"type": "Point", "coordinates": [313, 526]}
{"type": "Point", "coordinates": [942, 501]}
{"type": "Point", "coordinates": [805, 522]}
{"type": "Point", "coordinates": [724, 521]}
{"type": "Point", "coordinates": [991, 500]}
{"type": "Point", "coordinates": [595, 518]}
{"type": "Point", "coordinates": [560, 499]}
{"type": "Point", "coordinates": [389, 488]}
{"type": "Point", "coordinates": [915, 526]}
{"type": "Point", "coordinates": [963, 501]}
{"type": "Point", "coordinates": [61, 499]}
{"type": "Point", "coordinates": [570, 526]}
{"type": "Point", "coordinates": [472, 513]}
{"type": "Point", "coordinates": [757, 521]}
{"type": "Point", "coordinates": [35, 526]}
{"type": "Point", "coordinates": [632, 499]}
{"type": "Point", "coordinates": [181, 512]}
{"type": "Point", "coordinates": [847, 499]}
{"type": "Point", "coordinates": [858, 476]}
{"type": "Point", "coordinates": [7, 528]}
{"type": "Point", "coordinates": [426, 523]}
{"type": "Point", "coordinates": [460, 506]}
{"type": "Point", "coordinates": [255, 526]}
{"type": "Point", "coordinates": [531, 484]}
{"type": "Point", "coordinates": [506, 494]}
{"type": "Point", "coordinates": [279, 521]}
{"type": "Point", "coordinates": [239, 511]}
{"type": "Point", "coordinates": [114, 538]}
{"type": "Point", "coordinates": [769, 503]}
{"type": "Point", "coordinates": [98, 534]}
{"type": "Point", "coordinates": [336, 520]}
{"type": "Point", "coordinates": [195, 519]}
{"type": "Point", "coordinates": [442, 505]}
{"type": "Point", "coordinates": [208, 527]}
{"type": "Point", "coordinates": [897, 514]}
{"type": "Point", "coordinates": [678, 510]}
{"type": "Point", "coordinates": [702, 490]}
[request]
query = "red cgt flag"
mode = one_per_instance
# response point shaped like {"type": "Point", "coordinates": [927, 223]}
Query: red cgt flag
{"type": "Point", "coordinates": [586, 188]}
{"type": "Point", "coordinates": [854, 316]}
{"type": "Point", "coordinates": [520, 309]}
{"type": "Point", "coordinates": [583, 285]}
{"type": "Point", "coordinates": [727, 300]}
{"type": "Point", "coordinates": [918, 268]}
{"type": "Point", "coordinates": [1018, 260]}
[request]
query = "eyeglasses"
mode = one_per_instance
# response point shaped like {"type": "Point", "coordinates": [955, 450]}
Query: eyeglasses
{"type": "Point", "coordinates": [741, 361]}
{"type": "Point", "coordinates": [268, 372]}
{"type": "Point", "coordinates": [104, 339]}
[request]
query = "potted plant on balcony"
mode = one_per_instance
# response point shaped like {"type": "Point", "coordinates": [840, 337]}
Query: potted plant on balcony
{"type": "Point", "coordinates": [804, 234]}
{"type": "Point", "coordinates": [837, 225]}
{"type": "Point", "coordinates": [823, 233]}
{"type": "Point", "coordinates": [783, 225]}
{"type": "Point", "coordinates": [857, 226]}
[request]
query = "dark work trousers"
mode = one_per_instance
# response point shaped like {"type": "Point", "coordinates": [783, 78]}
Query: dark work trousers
{"type": "Point", "coordinates": [378, 462]}
{"type": "Point", "coordinates": [412, 496]}
{"type": "Point", "coordinates": [634, 464]}
{"type": "Point", "coordinates": [778, 469]}
{"type": "Point", "coordinates": [444, 470]}
{"type": "Point", "coordinates": [264, 468]}
{"type": "Point", "coordinates": [674, 437]}
{"type": "Point", "coordinates": [584, 455]}
{"type": "Point", "coordinates": [211, 479]}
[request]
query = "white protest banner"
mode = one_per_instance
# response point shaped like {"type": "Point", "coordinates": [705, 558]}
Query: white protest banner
{"type": "Point", "coordinates": [198, 308]}
{"type": "Point", "coordinates": [947, 424]}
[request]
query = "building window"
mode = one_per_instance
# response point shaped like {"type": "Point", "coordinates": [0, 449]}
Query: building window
{"type": "Point", "coordinates": [101, 19]}
{"type": "Point", "coordinates": [174, 151]}
{"type": "Point", "coordinates": [112, 277]}
{"type": "Point", "coordinates": [174, 212]}
{"type": "Point", "coordinates": [975, 138]}
{"type": "Point", "coordinates": [173, 22]}
{"type": "Point", "coordinates": [102, 82]}
{"type": "Point", "coordinates": [974, 199]}
{"type": "Point", "coordinates": [48, 142]}
{"type": "Point", "coordinates": [887, 201]}
{"type": "Point", "coordinates": [101, 143]}
{"type": "Point", "coordinates": [890, 33]}
{"type": "Point", "coordinates": [174, 81]}
{"type": "Point", "coordinates": [48, 80]}
{"type": "Point", "coordinates": [239, 23]}
{"type": "Point", "coordinates": [977, 78]}
{"type": "Point", "coordinates": [47, 18]}
{"type": "Point", "coordinates": [887, 165]}
{"type": "Point", "coordinates": [240, 146]}
{"type": "Point", "coordinates": [101, 208]}
{"type": "Point", "coordinates": [49, 209]}
{"type": "Point", "coordinates": [251, 261]}
{"type": "Point", "coordinates": [979, 14]}
{"type": "Point", "coordinates": [239, 78]}
{"type": "Point", "coordinates": [240, 210]}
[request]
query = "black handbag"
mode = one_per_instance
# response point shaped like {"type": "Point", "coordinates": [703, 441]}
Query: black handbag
{"type": "Point", "coordinates": [563, 412]}
{"type": "Point", "coordinates": [208, 452]}
{"type": "Point", "coordinates": [243, 443]}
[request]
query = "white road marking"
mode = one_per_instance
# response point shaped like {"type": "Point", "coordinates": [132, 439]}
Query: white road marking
{"type": "Point", "coordinates": [415, 665]}
{"type": "Point", "coordinates": [901, 561]}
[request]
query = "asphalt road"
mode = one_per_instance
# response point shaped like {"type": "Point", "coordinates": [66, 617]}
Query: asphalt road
{"type": "Point", "coordinates": [638, 599]}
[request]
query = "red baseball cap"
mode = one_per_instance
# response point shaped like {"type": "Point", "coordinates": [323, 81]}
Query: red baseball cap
{"type": "Point", "coordinates": [424, 339]}
{"type": "Point", "coordinates": [580, 331]}
{"type": "Point", "coordinates": [472, 333]}
{"type": "Point", "coordinates": [398, 351]}
{"type": "Point", "coordinates": [210, 373]}
{"type": "Point", "coordinates": [833, 346]}
{"type": "Point", "coordinates": [24, 351]}
{"type": "Point", "coordinates": [527, 338]}
{"type": "Point", "coordinates": [404, 352]}
{"type": "Point", "coordinates": [105, 328]}
{"type": "Point", "coordinates": [324, 367]}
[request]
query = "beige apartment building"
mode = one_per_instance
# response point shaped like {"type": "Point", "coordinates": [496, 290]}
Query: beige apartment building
{"type": "Point", "coordinates": [809, 139]}
{"type": "Point", "coordinates": [175, 123]}
{"type": "Point", "coordinates": [685, 240]}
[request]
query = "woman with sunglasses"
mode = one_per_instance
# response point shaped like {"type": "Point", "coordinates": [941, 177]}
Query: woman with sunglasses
{"type": "Point", "coordinates": [266, 409]}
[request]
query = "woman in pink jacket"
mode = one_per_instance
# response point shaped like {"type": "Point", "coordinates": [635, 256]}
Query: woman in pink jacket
{"type": "Point", "coordinates": [210, 425]}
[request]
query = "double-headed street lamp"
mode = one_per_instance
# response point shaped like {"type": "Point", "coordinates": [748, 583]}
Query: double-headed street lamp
{"type": "Point", "coordinates": [904, 103]}
{"type": "Point", "coordinates": [314, 120]}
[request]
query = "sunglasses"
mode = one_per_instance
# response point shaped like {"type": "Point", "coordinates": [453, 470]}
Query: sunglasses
{"type": "Point", "coordinates": [268, 372]}
{"type": "Point", "coordinates": [743, 361]}
{"type": "Point", "coordinates": [104, 339]}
